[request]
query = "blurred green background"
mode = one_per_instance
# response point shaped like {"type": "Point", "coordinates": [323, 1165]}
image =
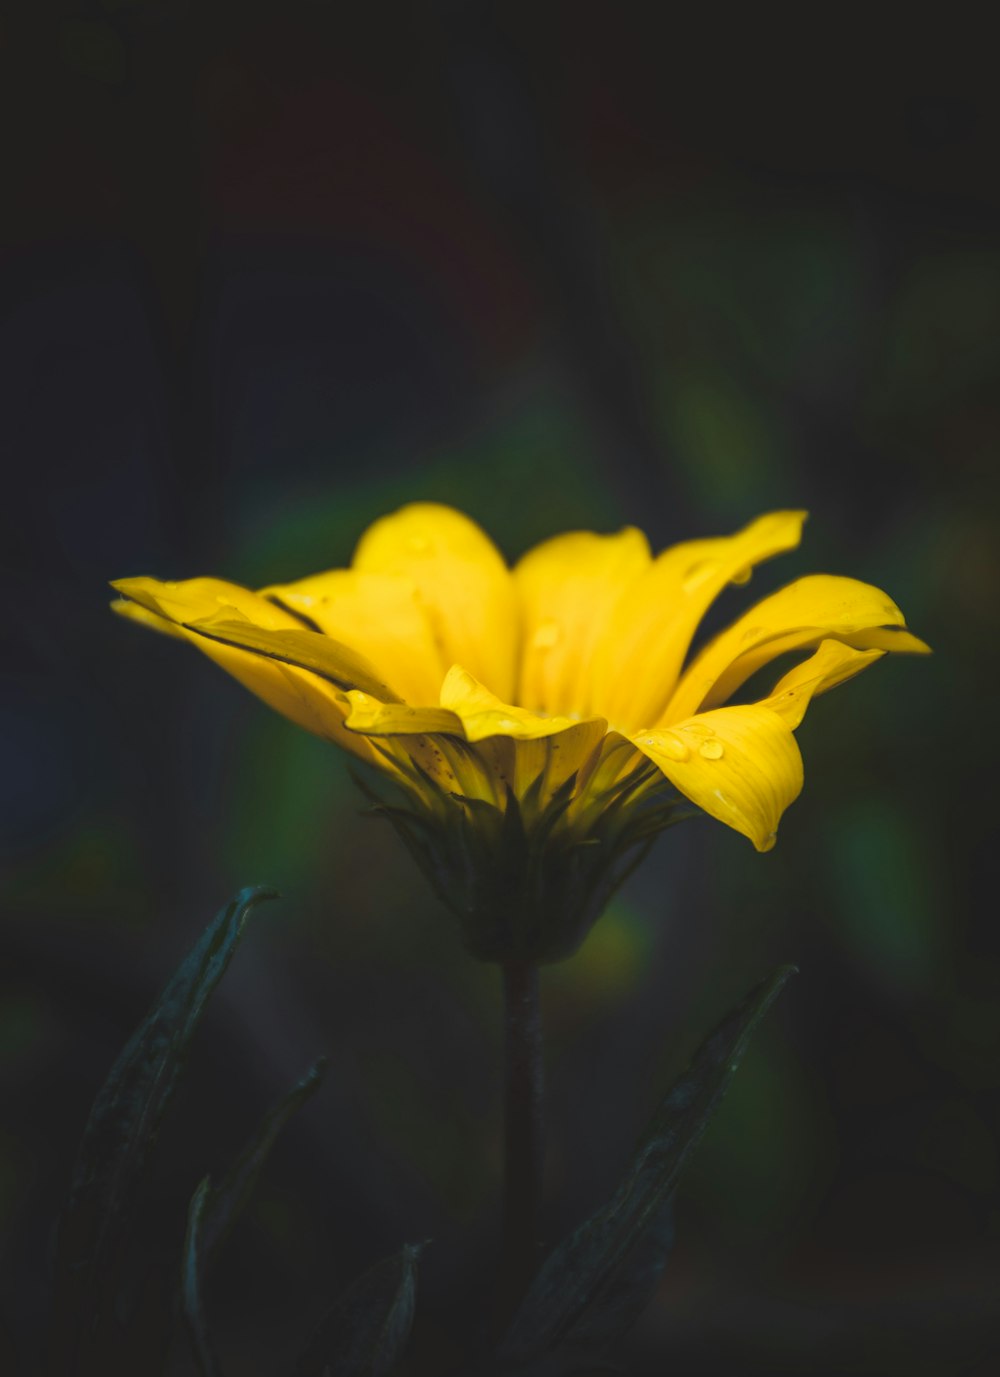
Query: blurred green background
{"type": "Point", "coordinates": [272, 271]}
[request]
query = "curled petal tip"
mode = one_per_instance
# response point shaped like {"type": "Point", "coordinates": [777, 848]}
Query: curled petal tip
{"type": "Point", "coordinates": [122, 585]}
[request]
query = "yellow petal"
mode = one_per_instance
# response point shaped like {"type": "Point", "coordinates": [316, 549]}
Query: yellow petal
{"type": "Point", "coordinates": [797, 617]}
{"type": "Point", "coordinates": [568, 588]}
{"type": "Point", "coordinates": [519, 746]}
{"type": "Point", "coordinates": [305, 698]}
{"type": "Point", "coordinates": [544, 761]}
{"type": "Point", "coordinates": [194, 600]}
{"type": "Point", "coordinates": [433, 738]}
{"type": "Point", "coordinates": [378, 615]}
{"type": "Point", "coordinates": [890, 638]}
{"type": "Point", "coordinates": [462, 582]}
{"type": "Point", "coordinates": [484, 714]}
{"type": "Point", "coordinates": [641, 652]}
{"type": "Point", "coordinates": [374, 718]}
{"type": "Point", "coordinates": [739, 764]}
{"type": "Point", "coordinates": [404, 737]}
{"type": "Point", "coordinates": [832, 664]}
{"type": "Point", "coordinates": [487, 764]}
{"type": "Point", "coordinates": [568, 752]}
{"type": "Point", "coordinates": [274, 634]}
{"type": "Point", "coordinates": [134, 612]}
{"type": "Point", "coordinates": [309, 650]}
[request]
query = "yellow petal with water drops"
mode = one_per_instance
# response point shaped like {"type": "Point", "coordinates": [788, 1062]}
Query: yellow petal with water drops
{"type": "Point", "coordinates": [375, 718]}
{"type": "Point", "coordinates": [797, 617]}
{"type": "Point", "coordinates": [832, 664]}
{"type": "Point", "coordinates": [192, 600]}
{"type": "Point", "coordinates": [739, 764]}
{"type": "Point", "coordinates": [483, 714]}
{"type": "Point", "coordinates": [641, 652]}
{"type": "Point", "coordinates": [568, 589]}
{"type": "Point", "coordinates": [378, 615]}
{"type": "Point", "coordinates": [462, 583]}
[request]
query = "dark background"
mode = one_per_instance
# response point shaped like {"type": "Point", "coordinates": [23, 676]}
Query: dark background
{"type": "Point", "coordinates": [272, 270]}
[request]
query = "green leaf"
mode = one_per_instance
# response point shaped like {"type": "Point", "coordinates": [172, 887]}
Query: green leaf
{"type": "Point", "coordinates": [228, 1198]}
{"type": "Point", "coordinates": [213, 1211]}
{"type": "Point", "coordinates": [192, 1262]}
{"type": "Point", "coordinates": [120, 1132]}
{"type": "Point", "coordinates": [594, 1285]}
{"type": "Point", "coordinates": [365, 1332]}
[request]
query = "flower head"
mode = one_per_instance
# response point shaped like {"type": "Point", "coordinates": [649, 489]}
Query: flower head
{"type": "Point", "coordinates": [543, 721]}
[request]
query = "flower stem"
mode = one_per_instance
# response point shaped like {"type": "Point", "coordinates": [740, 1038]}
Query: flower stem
{"type": "Point", "coordinates": [523, 1151]}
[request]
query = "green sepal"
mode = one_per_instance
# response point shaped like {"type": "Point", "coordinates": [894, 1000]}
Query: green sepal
{"type": "Point", "coordinates": [367, 1328]}
{"type": "Point", "coordinates": [117, 1140]}
{"type": "Point", "coordinates": [214, 1210]}
{"type": "Point", "coordinates": [594, 1284]}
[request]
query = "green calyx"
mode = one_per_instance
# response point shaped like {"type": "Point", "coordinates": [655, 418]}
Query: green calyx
{"type": "Point", "coordinates": [527, 880]}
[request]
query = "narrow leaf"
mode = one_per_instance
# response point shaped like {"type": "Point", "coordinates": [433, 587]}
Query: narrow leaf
{"type": "Point", "coordinates": [365, 1332]}
{"type": "Point", "coordinates": [633, 1286]}
{"type": "Point", "coordinates": [122, 1127]}
{"type": "Point", "coordinates": [213, 1211]}
{"type": "Point", "coordinates": [595, 1283]}
{"type": "Point", "coordinates": [191, 1282]}
{"type": "Point", "coordinates": [226, 1200]}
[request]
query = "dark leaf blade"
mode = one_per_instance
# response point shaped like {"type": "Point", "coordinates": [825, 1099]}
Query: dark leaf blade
{"type": "Point", "coordinates": [226, 1200]}
{"type": "Point", "coordinates": [214, 1210]}
{"type": "Point", "coordinates": [595, 1283]}
{"type": "Point", "coordinates": [192, 1264]}
{"type": "Point", "coordinates": [367, 1328]}
{"type": "Point", "coordinates": [633, 1286]}
{"type": "Point", "coordinates": [122, 1127]}
{"type": "Point", "coordinates": [131, 1103]}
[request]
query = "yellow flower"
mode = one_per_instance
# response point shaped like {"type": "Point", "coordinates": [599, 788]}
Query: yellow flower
{"type": "Point", "coordinates": [541, 713]}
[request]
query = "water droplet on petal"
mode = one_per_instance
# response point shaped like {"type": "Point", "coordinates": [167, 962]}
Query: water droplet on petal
{"type": "Point", "coordinates": [712, 750]}
{"type": "Point", "coordinates": [669, 745]}
{"type": "Point", "coordinates": [546, 636]}
{"type": "Point", "coordinates": [742, 575]}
